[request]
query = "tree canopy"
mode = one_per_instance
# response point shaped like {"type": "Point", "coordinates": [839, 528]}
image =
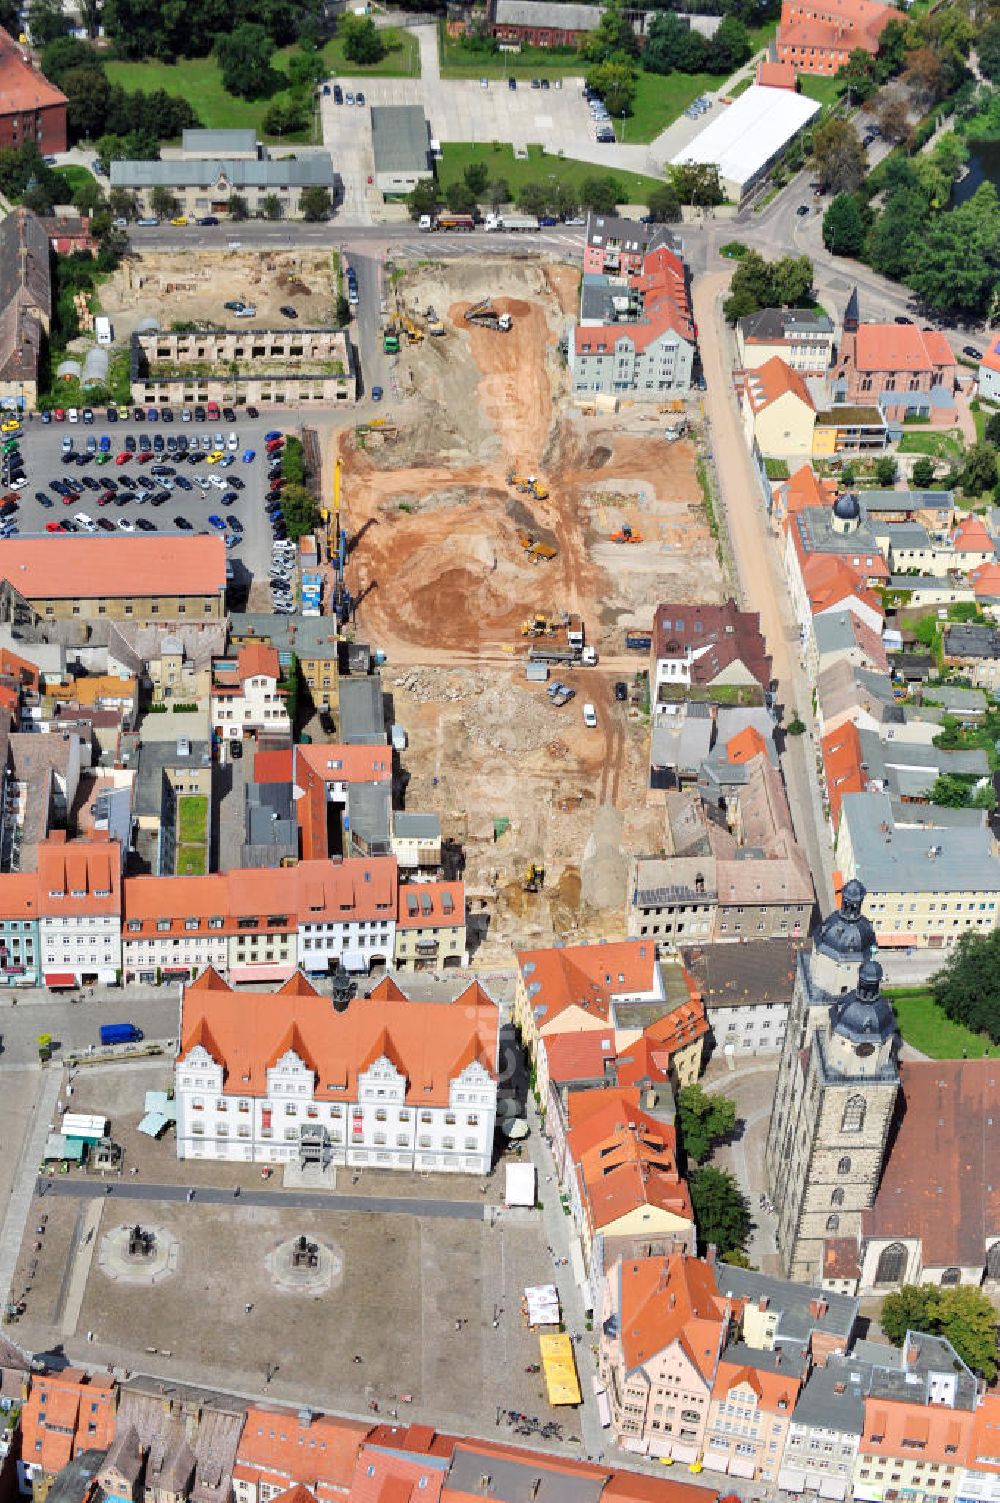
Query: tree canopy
{"type": "Point", "coordinates": [838, 156]}
{"type": "Point", "coordinates": [169, 29]}
{"type": "Point", "coordinates": [757, 283]}
{"type": "Point", "coordinates": [721, 1210]}
{"type": "Point", "coordinates": [967, 987]}
{"type": "Point", "coordinates": [844, 226]}
{"type": "Point", "coordinates": [244, 56]}
{"type": "Point", "coordinates": [963, 1315]}
{"type": "Point", "coordinates": [704, 1120]}
{"type": "Point", "coordinates": [363, 43]}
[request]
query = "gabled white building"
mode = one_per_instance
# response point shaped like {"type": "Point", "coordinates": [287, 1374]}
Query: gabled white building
{"type": "Point", "coordinates": [283, 1077]}
{"type": "Point", "coordinates": [79, 911]}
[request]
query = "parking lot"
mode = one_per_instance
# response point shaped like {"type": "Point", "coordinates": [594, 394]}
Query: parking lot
{"type": "Point", "coordinates": [176, 495]}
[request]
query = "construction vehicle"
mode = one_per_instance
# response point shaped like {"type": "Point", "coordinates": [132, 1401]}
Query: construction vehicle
{"type": "Point", "coordinates": [485, 316]}
{"type": "Point", "coordinates": [435, 327]}
{"type": "Point", "coordinates": [534, 878]}
{"type": "Point", "coordinates": [528, 485]}
{"type": "Point", "coordinates": [536, 551]}
{"type": "Point", "coordinates": [626, 535]}
{"type": "Point", "coordinates": [430, 222]}
{"type": "Point", "coordinates": [569, 657]}
{"type": "Point", "coordinates": [414, 333]}
{"type": "Point", "coordinates": [538, 626]}
{"type": "Point", "coordinates": [512, 223]}
{"type": "Point", "coordinates": [390, 338]}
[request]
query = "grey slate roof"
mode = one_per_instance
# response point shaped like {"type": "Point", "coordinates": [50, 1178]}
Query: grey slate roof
{"type": "Point", "coordinates": [775, 323]}
{"type": "Point", "coordinates": [796, 1321]}
{"type": "Point", "coordinates": [400, 138]}
{"type": "Point", "coordinates": [537, 13]}
{"type": "Point", "coordinates": [516, 1480]}
{"type": "Point", "coordinates": [362, 717]}
{"type": "Point", "coordinates": [833, 1397]}
{"type": "Point", "coordinates": [897, 860]}
{"type": "Point", "coordinates": [312, 170]}
{"type": "Point", "coordinates": [972, 642]}
{"type": "Point", "coordinates": [889, 500]}
{"type": "Point", "coordinates": [218, 143]}
{"type": "Point", "coordinates": [417, 826]}
{"type": "Point", "coordinates": [757, 974]}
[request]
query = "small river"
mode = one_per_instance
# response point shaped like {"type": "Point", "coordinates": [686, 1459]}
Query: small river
{"type": "Point", "coordinates": [984, 167]}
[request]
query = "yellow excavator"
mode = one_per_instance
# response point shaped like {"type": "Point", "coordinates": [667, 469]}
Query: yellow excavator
{"type": "Point", "coordinates": [534, 878]}
{"type": "Point", "coordinates": [528, 485]}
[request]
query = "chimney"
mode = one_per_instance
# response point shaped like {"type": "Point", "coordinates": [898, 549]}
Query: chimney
{"type": "Point", "coordinates": [818, 1308]}
{"type": "Point", "coordinates": [710, 1254]}
{"type": "Point", "coordinates": [763, 1303]}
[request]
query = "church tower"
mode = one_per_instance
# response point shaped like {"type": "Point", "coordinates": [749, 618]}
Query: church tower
{"type": "Point", "coordinates": [837, 1086]}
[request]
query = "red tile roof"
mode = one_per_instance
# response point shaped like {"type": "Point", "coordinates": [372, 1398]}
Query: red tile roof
{"type": "Point", "coordinates": [78, 876]}
{"type": "Point", "coordinates": [940, 1183]}
{"type": "Point", "coordinates": [625, 1159]}
{"type": "Point", "coordinates": [273, 766]}
{"type": "Point", "coordinates": [257, 660]}
{"type": "Point", "coordinates": [276, 1444]}
{"type": "Point", "coordinates": [745, 745]}
{"type": "Point", "coordinates": [66, 1413]}
{"type": "Point", "coordinates": [776, 1392]}
{"type": "Point", "coordinates": [942, 1434]}
{"type": "Point", "coordinates": [429, 1042]}
{"type": "Point", "coordinates": [22, 87]}
{"type": "Point", "coordinates": [986, 580]}
{"type": "Point", "coordinates": [719, 634]}
{"type": "Point", "coordinates": [579, 1056]}
{"type": "Point", "coordinates": [833, 25]}
{"type": "Point", "coordinates": [663, 1300]}
{"type": "Point", "coordinates": [89, 568]}
{"type": "Point", "coordinates": [805, 488]}
{"type": "Point", "coordinates": [984, 1439]}
{"type": "Point", "coordinates": [991, 359]}
{"type": "Point", "coordinates": [665, 306]}
{"type": "Point", "coordinates": [901, 347]}
{"type": "Point", "coordinates": [842, 759]}
{"type": "Point", "coordinates": [971, 536]}
{"type": "Point", "coordinates": [776, 75]}
{"type": "Point", "coordinates": [830, 580]}
{"type": "Point", "coordinates": [585, 976]}
{"type": "Point", "coordinates": [766, 383]}
{"type": "Point", "coordinates": [431, 905]}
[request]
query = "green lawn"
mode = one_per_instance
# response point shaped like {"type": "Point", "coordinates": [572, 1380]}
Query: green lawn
{"type": "Point", "coordinates": [660, 98]}
{"type": "Point", "coordinates": [938, 445]}
{"type": "Point", "coordinates": [824, 90]}
{"type": "Point", "coordinates": [531, 62]}
{"type": "Point", "coordinates": [925, 1026]}
{"type": "Point", "coordinates": [539, 167]}
{"type": "Point", "coordinates": [198, 80]}
{"type": "Point", "coordinates": [192, 819]}
{"type": "Point", "coordinates": [190, 861]}
{"type": "Point", "coordinates": [74, 177]}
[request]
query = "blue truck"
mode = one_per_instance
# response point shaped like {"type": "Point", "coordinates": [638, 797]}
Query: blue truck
{"type": "Point", "coordinates": [120, 1033]}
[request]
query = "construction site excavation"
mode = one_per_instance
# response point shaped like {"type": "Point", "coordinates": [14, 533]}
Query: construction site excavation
{"type": "Point", "coordinates": [507, 542]}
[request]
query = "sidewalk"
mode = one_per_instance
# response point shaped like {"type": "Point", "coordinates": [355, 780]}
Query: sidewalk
{"type": "Point", "coordinates": [32, 1147]}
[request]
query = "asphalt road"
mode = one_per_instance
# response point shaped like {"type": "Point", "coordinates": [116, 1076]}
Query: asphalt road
{"type": "Point", "coordinates": [299, 1200]}
{"type": "Point", "coordinates": [41, 449]}
{"type": "Point", "coordinates": [74, 1025]}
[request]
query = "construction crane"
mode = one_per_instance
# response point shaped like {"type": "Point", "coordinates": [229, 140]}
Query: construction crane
{"type": "Point", "coordinates": [626, 535]}
{"type": "Point", "coordinates": [485, 316]}
{"type": "Point", "coordinates": [534, 878]}
{"type": "Point", "coordinates": [338, 551]}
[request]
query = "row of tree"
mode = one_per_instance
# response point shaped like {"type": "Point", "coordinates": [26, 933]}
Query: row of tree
{"type": "Point", "coordinates": [144, 29]}
{"type": "Point", "coordinates": [674, 47]}
{"type": "Point", "coordinates": [96, 107]}
{"type": "Point", "coordinates": [758, 283]}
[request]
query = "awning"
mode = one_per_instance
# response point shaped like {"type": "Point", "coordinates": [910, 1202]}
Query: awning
{"type": "Point", "coordinates": [60, 978]}
{"type": "Point", "coordinates": [791, 1481]}
{"type": "Point", "coordinates": [895, 941]}
{"type": "Point", "coordinates": [543, 1304]}
{"type": "Point", "coordinates": [603, 1402]}
{"type": "Point", "coordinates": [261, 972]}
{"type": "Point", "coordinates": [152, 1124]}
{"type": "Point", "coordinates": [833, 1487]}
{"type": "Point", "coordinates": [580, 1271]}
{"type": "Point", "coordinates": [685, 1453]}
{"type": "Point", "coordinates": [715, 1461]}
{"type": "Point", "coordinates": [559, 1368]}
{"type": "Point", "coordinates": [61, 1148]}
{"type": "Point", "coordinates": [740, 1467]}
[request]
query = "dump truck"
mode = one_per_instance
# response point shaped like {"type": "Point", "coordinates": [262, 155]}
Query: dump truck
{"type": "Point", "coordinates": [626, 535]}
{"type": "Point", "coordinates": [485, 316]}
{"type": "Point", "coordinates": [535, 550]}
{"type": "Point", "coordinates": [638, 641]}
{"type": "Point", "coordinates": [434, 325]}
{"type": "Point", "coordinates": [585, 657]}
{"type": "Point", "coordinates": [390, 340]}
{"type": "Point", "coordinates": [512, 223]}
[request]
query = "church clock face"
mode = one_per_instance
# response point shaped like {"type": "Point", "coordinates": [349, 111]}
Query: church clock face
{"type": "Point", "coordinates": [864, 1050]}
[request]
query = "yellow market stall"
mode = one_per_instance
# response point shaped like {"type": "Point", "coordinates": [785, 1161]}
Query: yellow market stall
{"type": "Point", "coordinates": [559, 1367]}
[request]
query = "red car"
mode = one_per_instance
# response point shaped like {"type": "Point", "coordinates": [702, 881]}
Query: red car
{"type": "Point", "coordinates": [59, 415]}
{"type": "Point", "coordinates": [275, 445]}
{"type": "Point", "coordinates": [144, 456]}
{"type": "Point", "coordinates": [53, 527]}
{"type": "Point", "coordinates": [105, 498]}
{"type": "Point", "coordinates": [123, 457]}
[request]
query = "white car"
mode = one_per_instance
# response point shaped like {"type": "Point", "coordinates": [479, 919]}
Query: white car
{"type": "Point", "coordinates": [217, 481]}
{"type": "Point", "coordinates": [590, 717]}
{"type": "Point", "coordinates": [72, 415]}
{"type": "Point", "coordinates": [232, 442]}
{"type": "Point", "coordinates": [83, 520]}
{"type": "Point", "coordinates": [124, 525]}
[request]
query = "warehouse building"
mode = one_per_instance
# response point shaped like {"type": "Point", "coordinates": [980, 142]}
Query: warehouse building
{"type": "Point", "coordinates": [748, 136]}
{"type": "Point", "coordinates": [205, 184]}
{"type": "Point", "coordinates": [147, 578]}
{"type": "Point", "coordinates": [401, 145]}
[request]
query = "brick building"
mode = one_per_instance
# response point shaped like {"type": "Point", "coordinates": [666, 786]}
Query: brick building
{"type": "Point", "coordinates": [31, 109]}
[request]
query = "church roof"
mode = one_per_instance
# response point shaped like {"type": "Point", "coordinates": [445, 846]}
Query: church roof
{"type": "Point", "coordinates": [846, 934]}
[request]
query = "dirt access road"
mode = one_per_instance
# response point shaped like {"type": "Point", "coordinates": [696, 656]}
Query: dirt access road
{"type": "Point", "coordinates": [761, 584]}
